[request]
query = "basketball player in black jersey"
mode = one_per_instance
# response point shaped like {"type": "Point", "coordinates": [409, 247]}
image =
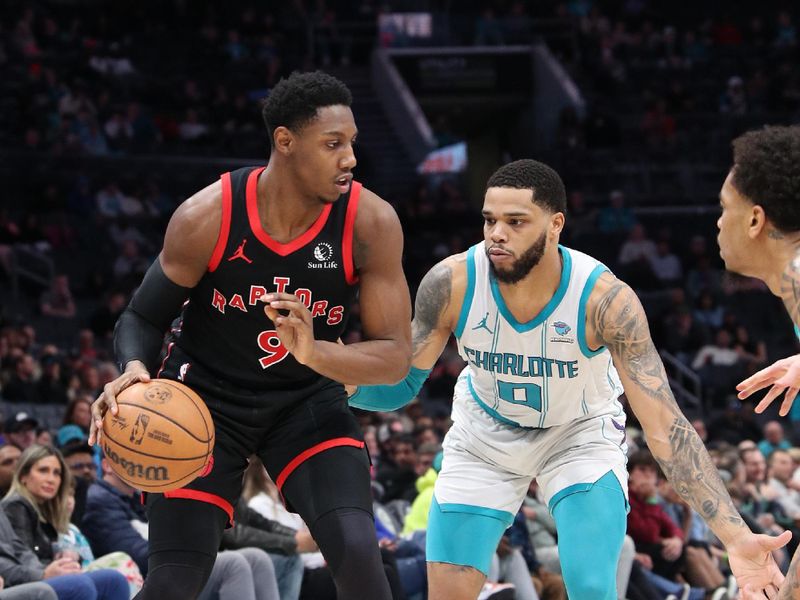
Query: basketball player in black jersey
{"type": "Point", "coordinates": [263, 266]}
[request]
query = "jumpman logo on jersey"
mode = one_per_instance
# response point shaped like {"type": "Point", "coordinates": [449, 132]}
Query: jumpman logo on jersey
{"type": "Point", "coordinates": [240, 253]}
{"type": "Point", "coordinates": [483, 325]}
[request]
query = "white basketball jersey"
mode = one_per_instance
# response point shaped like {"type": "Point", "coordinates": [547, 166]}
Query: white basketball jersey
{"type": "Point", "coordinates": [540, 373]}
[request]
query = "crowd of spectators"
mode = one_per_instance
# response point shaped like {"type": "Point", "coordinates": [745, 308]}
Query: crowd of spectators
{"type": "Point", "coordinates": [659, 84]}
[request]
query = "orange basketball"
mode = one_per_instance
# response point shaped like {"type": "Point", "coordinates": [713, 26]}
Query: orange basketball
{"type": "Point", "coordinates": [161, 438]}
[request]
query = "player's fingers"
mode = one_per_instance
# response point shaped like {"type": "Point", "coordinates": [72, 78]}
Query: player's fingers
{"type": "Point", "coordinates": [759, 377]}
{"type": "Point", "coordinates": [292, 321]}
{"type": "Point", "coordinates": [771, 591]}
{"type": "Point", "coordinates": [98, 409]}
{"type": "Point", "coordinates": [110, 394]}
{"type": "Point", "coordinates": [272, 296]}
{"type": "Point", "coordinates": [296, 308]}
{"type": "Point", "coordinates": [773, 393]}
{"type": "Point", "coordinates": [271, 313]}
{"type": "Point", "coordinates": [788, 400]}
{"type": "Point", "coordinates": [748, 391]}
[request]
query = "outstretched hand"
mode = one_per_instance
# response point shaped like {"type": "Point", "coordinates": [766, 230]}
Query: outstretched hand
{"type": "Point", "coordinates": [783, 376]}
{"type": "Point", "coordinates": [751, 561]}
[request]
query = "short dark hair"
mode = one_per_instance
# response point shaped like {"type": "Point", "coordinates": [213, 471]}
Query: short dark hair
{"type": "Point", "coordinates": [294, 101]}
{"type": "Point", "coordinates": [645, 459]}
{"type": "Point", "coordinates": [546, 185]}
{"type": "Point", "coordinates": [766, 170]}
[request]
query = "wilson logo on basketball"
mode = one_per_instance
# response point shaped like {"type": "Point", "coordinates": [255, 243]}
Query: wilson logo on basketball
{"type": "Point", "coordinates": [139, 429]}
{"type": "Point", "coordinates": [134, 469]}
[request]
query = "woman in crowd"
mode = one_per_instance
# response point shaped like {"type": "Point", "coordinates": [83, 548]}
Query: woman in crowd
{"type": "Point", "coordinates": [37, 507]}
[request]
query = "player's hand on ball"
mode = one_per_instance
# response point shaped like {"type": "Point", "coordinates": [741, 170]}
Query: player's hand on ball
{"type": "Point", "coordinates": [783, 375]}
{"type": "Point", "coordinates": [134, 371]}
{"type": "Point", "coordinates": [293, 324]}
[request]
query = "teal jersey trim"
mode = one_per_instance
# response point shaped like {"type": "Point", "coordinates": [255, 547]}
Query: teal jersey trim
{"type": "Point", "coordinates": [463, 534]}
{"type": "Point", "coordinates": [470, 291]}
{"type": "Point", "coordinates": [566, 270]}
{"type": "Point", "coordinates": [489, 410]}
{"type": "Point", "coordinates": [797, 331]}
{"type": "Point", "coordinates": [587, 291]}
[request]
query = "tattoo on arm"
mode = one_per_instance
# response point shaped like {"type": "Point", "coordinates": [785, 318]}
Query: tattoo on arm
{"type": "Point", "coordinates": [792, 583]}
{"type": "Point", "coordinates": [621, 324]}
{"type": "Point", "coordinates": [433, 297]}
{"type": "Point", "coordinates": [790, 288]}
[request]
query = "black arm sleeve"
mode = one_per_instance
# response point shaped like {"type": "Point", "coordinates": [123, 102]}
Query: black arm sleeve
{"type": "Point", "coordinates": [139, 332]}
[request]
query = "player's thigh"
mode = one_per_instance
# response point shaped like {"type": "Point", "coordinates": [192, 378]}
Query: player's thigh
{"type": "Point", "coordinates": [474, 502]}
{"type": "Point", "coordinates": [317, 457]}
{"type": "Point", "coordinates": [453, 582]}
{"type": "Point", "coordinates": [333, 479]}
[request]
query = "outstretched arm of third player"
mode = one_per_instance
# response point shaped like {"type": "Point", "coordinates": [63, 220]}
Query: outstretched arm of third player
{"type": "Point", "coordinates": [616, 319]}
{"type": "Point", "coordinates": [434, 319]}
{"type": "Point", "coordinates": [783, 375]}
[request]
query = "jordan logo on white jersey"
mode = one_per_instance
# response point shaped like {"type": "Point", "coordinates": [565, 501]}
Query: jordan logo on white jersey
{"type": "Point", "coordinates": [482, 324]}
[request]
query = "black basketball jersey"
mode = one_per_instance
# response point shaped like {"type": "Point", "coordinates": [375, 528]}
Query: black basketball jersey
{"type": "Point", "coordinates": [224, 326]}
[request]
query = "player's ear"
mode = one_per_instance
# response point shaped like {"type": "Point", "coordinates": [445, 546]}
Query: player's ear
{"type": "Point", "coordinates": [758, 221]}
{"type": "Point", "coordinates": [283, 140]}
{"type": "Point", "coordinates": [556, 223]}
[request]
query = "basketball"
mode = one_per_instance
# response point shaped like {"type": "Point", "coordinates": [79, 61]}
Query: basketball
{"type": "Point", "coordinates": [161, 437]}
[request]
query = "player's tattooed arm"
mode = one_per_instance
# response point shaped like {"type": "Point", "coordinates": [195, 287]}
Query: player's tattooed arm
{"type": "Point", "coordinates": [791, 587]}
{"type": "Point", "coordinates": [618, 321]}
{"type": "Point", "coordinates": [433, 309]}
{"type": "Point", "coordinates": [790, 288]}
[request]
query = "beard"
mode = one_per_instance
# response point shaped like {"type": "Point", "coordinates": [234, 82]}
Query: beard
{"type": "Point", "coordinates": [523, 265]}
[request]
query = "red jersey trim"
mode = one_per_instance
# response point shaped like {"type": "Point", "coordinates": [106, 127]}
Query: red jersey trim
{"type": "Point", "coordinates": [347, 238]}
{"type": "Point", "coordinates": [203, 497]}
{"type": "Point", "coordinates": [263, 236]}
{"type": "Point", "coordinates": [166, 358]}
{"type": "Point", "coordinates": [314, 450]}
{"type": "Point", "coordinates": [225, 226]}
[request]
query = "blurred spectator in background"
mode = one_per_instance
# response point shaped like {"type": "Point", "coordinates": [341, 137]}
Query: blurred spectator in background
{"type": "Point", "coordinates": [21, 430]}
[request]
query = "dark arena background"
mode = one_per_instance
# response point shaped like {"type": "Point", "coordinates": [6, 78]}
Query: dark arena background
{"type": "Point", "coordinates": [114, 112]}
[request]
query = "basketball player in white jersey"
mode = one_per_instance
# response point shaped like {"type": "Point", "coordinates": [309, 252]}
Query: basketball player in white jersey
{"type": "Point", "coordinates": [551, 338]}
{"type": "Point", "coordinates": [759, 236]}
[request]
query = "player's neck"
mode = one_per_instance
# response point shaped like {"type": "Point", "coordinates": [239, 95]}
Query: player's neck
{"type": "Point", "coordinates": [285, 210]}
{"type": "Point", "coordinates": [780, 253]}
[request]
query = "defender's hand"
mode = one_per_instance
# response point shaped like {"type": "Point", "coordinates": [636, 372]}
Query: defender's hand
{"type": "Point", "coordinates": [295, 328]}
{"type": "Point", "coordinates": [751, 561]}
{"type": "Point", "coordinates": [783, 375]}
{"type": "Point", "coordinates": [134, 371]}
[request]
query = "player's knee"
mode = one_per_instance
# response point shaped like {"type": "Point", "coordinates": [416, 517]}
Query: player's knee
{"type": "Point", "coordinates": [174, 581]}
{"type": "Point", "coordinates": [587, 584]}
{"type": "Point", "coordinates": [347, 539]}
{"type": "Point", "coordinates": [360, 548]}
